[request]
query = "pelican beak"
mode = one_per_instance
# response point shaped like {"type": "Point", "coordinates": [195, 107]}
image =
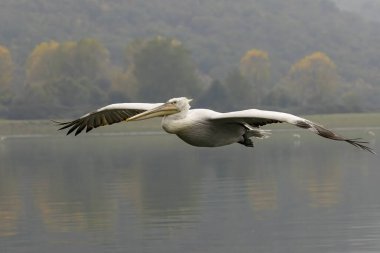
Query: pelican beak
{"type": "Point", "coordinates": [162, 110]}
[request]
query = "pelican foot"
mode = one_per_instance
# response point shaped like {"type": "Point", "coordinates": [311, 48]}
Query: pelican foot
{"type": "Point", "coordinates": [246, 141]}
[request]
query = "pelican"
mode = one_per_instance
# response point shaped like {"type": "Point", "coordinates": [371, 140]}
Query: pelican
{"type": "Point", "coordinates": [201, 127]}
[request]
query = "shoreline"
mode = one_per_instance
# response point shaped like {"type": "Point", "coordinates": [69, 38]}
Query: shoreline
{"type": "Point", "coordinates": [48, 128]}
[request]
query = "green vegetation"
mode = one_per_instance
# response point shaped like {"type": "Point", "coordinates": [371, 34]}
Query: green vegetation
{"type": "Point", "coordinates": [163, 68]}
{"type": "Point", "coordinates": [62, 58]}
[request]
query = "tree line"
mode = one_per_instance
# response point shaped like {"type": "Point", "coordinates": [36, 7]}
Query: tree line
{"type": "Point", "coordinates": [217, 32]}
{"type": "Point", "coordinates": [64, 79]}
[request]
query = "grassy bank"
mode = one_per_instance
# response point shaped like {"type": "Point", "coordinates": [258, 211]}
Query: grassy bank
{"type": "Point", "coordinates": [46, 127]}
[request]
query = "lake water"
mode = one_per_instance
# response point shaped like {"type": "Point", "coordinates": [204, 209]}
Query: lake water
{"type": "Point", "coordinates": [154, 193]}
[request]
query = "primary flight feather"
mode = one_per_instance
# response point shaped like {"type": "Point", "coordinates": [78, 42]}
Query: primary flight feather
{"type": "Point", "coordinates": [201, 127]}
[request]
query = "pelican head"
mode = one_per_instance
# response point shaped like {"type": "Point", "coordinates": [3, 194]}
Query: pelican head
{"type": "Point", "coordinates": [172, 106]}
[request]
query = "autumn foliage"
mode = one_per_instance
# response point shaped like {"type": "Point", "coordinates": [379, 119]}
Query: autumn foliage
{"type": "Point", "coordinates": [67, 78]}
{"type": "Point", "coordinates": [6, 74]}
{"type": "Point", "coordinates": [256, 68]}
{"type": "Point", "coordinates": [313, 79]}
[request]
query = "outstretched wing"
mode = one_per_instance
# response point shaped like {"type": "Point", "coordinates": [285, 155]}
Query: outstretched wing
{"type": "Point", "coordinates": [257, 118]}
{"type": "Point", "coordinates": [107, 115]}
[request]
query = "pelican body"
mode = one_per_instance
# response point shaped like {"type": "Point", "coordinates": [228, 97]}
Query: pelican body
{"type": "Point", "coordinates": [201, 127]}
{"type": "Point", "coordinates": [195, 129]}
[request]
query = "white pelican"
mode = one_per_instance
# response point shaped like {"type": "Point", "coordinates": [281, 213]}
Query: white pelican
{"type": "Point", "coordinates": [201, 127]}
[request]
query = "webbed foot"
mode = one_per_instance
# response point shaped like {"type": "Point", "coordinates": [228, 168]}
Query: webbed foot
{"type": "Point", "coordinates": [246, 141]}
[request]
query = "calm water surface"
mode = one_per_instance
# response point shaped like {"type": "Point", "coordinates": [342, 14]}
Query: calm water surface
{"type": "Point", "coordinates": [157, 194]}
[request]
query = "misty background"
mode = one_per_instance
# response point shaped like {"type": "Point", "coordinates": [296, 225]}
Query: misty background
{"type": "Point", "coordinates": [60, 58]}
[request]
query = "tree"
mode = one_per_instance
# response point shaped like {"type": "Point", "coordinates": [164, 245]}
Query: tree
{"type": "Point", "coordinates": [68, 74]}
{"type": "Point", "coordinates": [124, 85]}
{"type": "Point", "coordinates": [255, 67]}
{"type": "Point", "coordinates": [312, 81]}
{"type": "Point", "coordinates": [6, 69]}
{"type": "Point", "coordinates": [239, 89]}
{"type": "Point", "coordinates": [215, 97]}
{"type": "Point", "coordinates": [76, 59]}
{"type": "Point", "coordinates": [163, 68]}
{"type": "Point", "coordinates": [360, 96]}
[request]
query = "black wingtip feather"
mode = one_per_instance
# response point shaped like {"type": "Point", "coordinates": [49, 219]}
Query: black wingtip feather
{"type": "Point", "coordinates": [80, 128]}
{"type": "Point", "coordinates": [357, 142]}
{"type": "Point", "coordinates": [89, 128]}
{"type": "Point", "coordinates": [360, 144]}
{"type": "Point", "coordinates": [72, 129]}
{"type": "Point", "coordinates": [96, 119]}
{"type": "Point", "coordinates": [57, 122]}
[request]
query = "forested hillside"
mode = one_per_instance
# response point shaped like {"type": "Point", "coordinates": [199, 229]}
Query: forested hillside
{"type": "Point", "coordinates": [217, 46]}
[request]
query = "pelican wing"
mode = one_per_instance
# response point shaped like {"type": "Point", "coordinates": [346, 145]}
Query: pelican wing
{"type": "Point", "coordinates": [257, 118]}
{"type": "Point", "coordinates": [107, 115]}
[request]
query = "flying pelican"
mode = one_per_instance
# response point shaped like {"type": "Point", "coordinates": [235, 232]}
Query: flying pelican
{"type": "Point", "coordinates": [201, 127]}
